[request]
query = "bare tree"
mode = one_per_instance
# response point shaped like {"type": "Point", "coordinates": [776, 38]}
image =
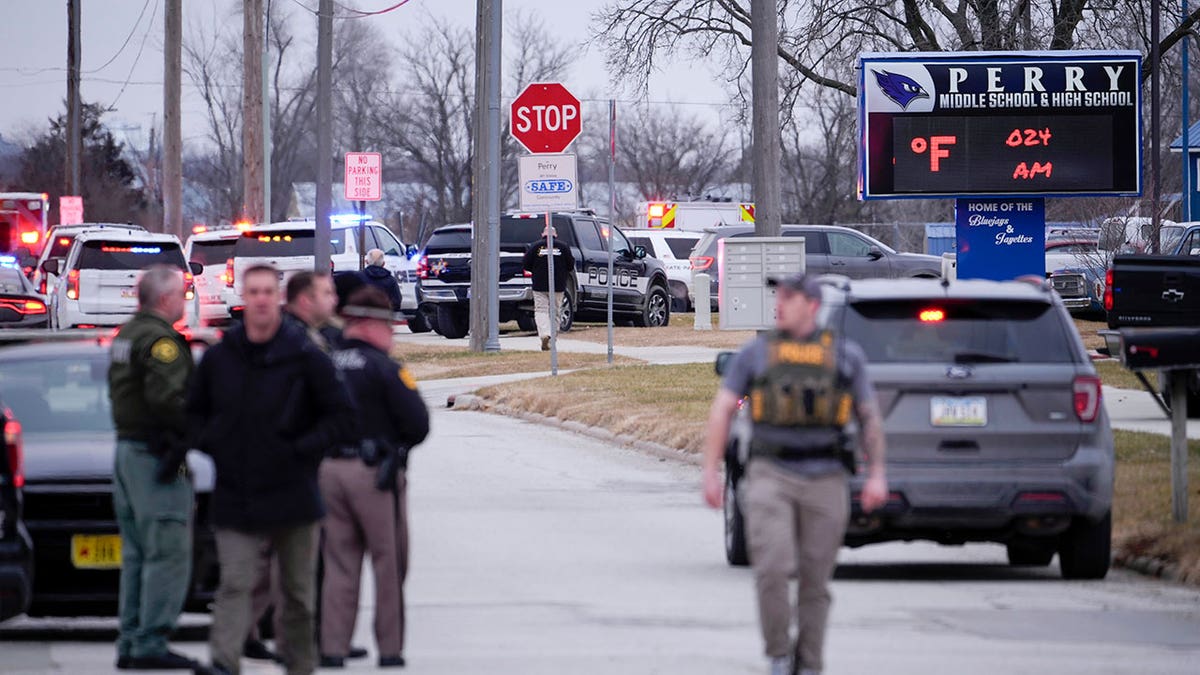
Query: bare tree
{"type": "Point", "coordinates": [668, 154]}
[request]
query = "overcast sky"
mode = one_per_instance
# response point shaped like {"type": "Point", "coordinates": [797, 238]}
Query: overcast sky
{"type": "Point", "coordinates": [122, 58]}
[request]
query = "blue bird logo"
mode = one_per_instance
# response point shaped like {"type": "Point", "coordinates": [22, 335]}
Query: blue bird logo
{"type": "Point", "coordinates": [900, 88]}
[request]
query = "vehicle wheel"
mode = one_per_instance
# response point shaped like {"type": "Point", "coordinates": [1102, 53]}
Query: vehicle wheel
{"type": "Point", "coordinates": [452, 323]}
{"type": "Point", "coordinates": [657, 312]}
{"type": "Point", "coordinates": [735, 528]}
{"type": "Point", "coordinates": [1030, 554]}
{"type": "Point", "coordinates": [1085, 550]}
{"type": "Point", "coordinates": [418, 324]}
{"type": "Point", "coordinates": [526, 322]}
{"type": "Point", "coordinates": [566, 313]}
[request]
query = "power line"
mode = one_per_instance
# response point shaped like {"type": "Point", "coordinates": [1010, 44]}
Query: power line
{"type": "Point", "coordinates": [136, 59]}
{"type": "Point", "coordinates": [52, 69]}
{"type": "Point", "coordinates": [363, 14]}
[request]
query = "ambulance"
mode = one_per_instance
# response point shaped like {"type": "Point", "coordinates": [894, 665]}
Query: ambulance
{"type": "Point", "coordinates": [23, 225]}
{"type": "Point", "coordinates": [695, 216]}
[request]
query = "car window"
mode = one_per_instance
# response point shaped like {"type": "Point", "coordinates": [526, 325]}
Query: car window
{"type": "Point", "coordinates": [59, 246]}
{"type": "Point", "coordinates": [680, 247]}
{"type": "Point", "coordinates": [645, 243]}
{"type": "Point", "coordinates": [283, 243]}
{"type": "Point", "coordinates": [212, 252]}
{"type": "Point", "coordinates": [516, 231]}
{"type": "Point", "coordinates": [841, 243]}
{"type": "Point", "coordinates": [589, 236]}
{"type": "Point", "coordinates": [1191, 245]}
{"type": "Point", "coordinates": [448, 240]}
{"type": "Point", "coordinates": [814, 242]}
{"type": "Point", "coordinates": [950, 331]}
{"type": "Point", "coordinates": [59, 394]}
{"type": "Point", "coordinates": [621, 244]}
{"type": "Point", "coordinates": [128, 255]}
{"type": "Point", "coordinates": [387, 241]}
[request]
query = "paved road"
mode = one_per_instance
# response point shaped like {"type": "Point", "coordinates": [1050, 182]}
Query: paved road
{"type": "Point", "coordinates": [559, 554]}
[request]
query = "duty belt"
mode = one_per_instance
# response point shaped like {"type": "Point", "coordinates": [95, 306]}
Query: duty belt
{"type": "Point", "coordinates": [761, 449]}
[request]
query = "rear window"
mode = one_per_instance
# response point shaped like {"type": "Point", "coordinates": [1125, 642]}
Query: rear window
{"type": "Point", "coordinates": [129, 255]}
{"type": "Point", "coordinates": [59, 246]}
{"type": "Point", "coordinates": [59, 394]}
{"type": "Point", "coordinates": [450, 240]}
{"type": "Point", "coordinates": [520, 231]}
{"type": "Point", "coordinates": [284, 243]}
{"type": "Point", "coordinates": [214, 252]}
{"type": "Point", "coordinates": [933, 331]}
{"type": "Point", "coordinates": [681, 248]}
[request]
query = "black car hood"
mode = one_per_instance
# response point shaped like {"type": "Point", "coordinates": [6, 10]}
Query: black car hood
{"type": "Point", "coordinates": [79, 455]}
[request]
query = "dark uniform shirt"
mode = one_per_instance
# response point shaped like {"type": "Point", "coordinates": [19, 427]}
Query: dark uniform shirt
{"type": "Point", "coordinates": [389, 406]}
{"type": "Point", "coordinates": [148, 378]}
{"type": "Point", "coordinates": [535, 260]}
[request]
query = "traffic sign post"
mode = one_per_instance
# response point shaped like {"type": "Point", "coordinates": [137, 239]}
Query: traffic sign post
{"type": "Point", "coordinates": [545, 118]}
{"type": "Point", "coordinates": [70, 210]}
{"type": "Point", "coordinates": [363, 183]}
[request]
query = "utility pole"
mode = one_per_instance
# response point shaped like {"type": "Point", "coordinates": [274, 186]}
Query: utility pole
{"type": "Point", "coordinates": [74, 183]}
{"type": "Point", "coordinates": [252, 100]}
{"type": "Point", "coordinates": [1155, 115]}
{"type": "Point", "coordinates": [324, 133]}
{"type": "Point", "coordinates": [485, 193]}
{"type": "Point", "coordinates": [764, 65]}
{"type": "Point", "coordinates": [172, 134]}
{"type": "Point", "coordinates": [266, 114]}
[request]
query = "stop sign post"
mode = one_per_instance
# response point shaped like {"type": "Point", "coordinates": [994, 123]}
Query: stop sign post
{"type": "Point", "coordinates": [545, 118]}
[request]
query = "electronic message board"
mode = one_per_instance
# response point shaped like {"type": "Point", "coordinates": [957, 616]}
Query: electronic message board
{"type": "Point", "coordinates": [1000, 124]}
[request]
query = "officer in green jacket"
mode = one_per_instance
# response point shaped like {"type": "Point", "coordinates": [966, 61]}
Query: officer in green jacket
{"type": "Point", "coordinates": [151, 364]}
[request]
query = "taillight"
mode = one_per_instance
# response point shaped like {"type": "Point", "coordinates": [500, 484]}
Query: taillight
{"type": "Point", "coordinates": [1108, 290]}
{"type": "Point", "coordinates": [24, 307]}
{"type": "Point", "coordinates": [30, 238]}
{"type": "Point", "coordinates": [700, 262]}
{"type": "Point", "coordinates": [16, 455]}
{"type": "Point", "coordinates": [528, 274]}
{"type": "Point", "coordinates": [1086, 389]}
{"type": "Point", "coordinates": [189, 286]}
{"type": "Point", "coordinates": [73, 285]}
{"type": "Point", "coordinates": [423, 267]}
{"type": "Point", "coordinates": [227, 275]}
{"type": "Point", "coordinates": [42, 285]}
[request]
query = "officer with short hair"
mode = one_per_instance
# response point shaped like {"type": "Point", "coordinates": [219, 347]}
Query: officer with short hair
{"type": "Point", "coordinates": [364, 484]}
{"type": "Point", "coordinates": [803, 384]}
{"type": "Point", "coordinates": [148, 377]}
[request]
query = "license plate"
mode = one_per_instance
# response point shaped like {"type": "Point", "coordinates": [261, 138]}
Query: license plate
{"type": "Point", "coordinates": [96, 551]}
{"type": "Point", "coordinates": [958, 411]}
{"type": "Point", "coordinates": [128, 293]}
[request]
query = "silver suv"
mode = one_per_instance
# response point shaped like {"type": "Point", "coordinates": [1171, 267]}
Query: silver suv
{"type": "Point", "coordinates": [995, 427]}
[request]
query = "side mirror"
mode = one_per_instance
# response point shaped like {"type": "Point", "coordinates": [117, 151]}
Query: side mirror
{"type": "Point", "coordinates": [875, 253]}
{"type": "Point", "coordinates": [722, 362]}
{"type": "Point", "coordinates": [196, 268]}
{"type": "Point", "coordinates": [639, 252]}
{"type": "Point", "coordinates": [50, 266]}
{"type": "Point", "coordinates": [410, 250]}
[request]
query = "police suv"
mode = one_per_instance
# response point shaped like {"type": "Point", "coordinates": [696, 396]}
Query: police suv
{"type": "Point", "coordinates": [212, 249]}
{"type": "Point", "coordinates": [640, 288]}
{"type": "Point", "coordinates": [100, 275]}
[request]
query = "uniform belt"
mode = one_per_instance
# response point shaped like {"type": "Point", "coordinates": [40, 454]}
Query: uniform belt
{"type": "Point", "coordinates": [760, 449]}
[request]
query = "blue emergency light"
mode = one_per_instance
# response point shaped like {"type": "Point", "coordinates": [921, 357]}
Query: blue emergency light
{"type": "Point", "coordinates": [348, 218]}
{"type": "Point", "coordinates": [9, 261]}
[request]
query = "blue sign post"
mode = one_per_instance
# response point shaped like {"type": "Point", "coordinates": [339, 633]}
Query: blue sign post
{"type": "Point", "coordinates": [1000, 239]}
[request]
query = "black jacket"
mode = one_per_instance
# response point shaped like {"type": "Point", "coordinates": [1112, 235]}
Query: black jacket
{"type": "Point", "coordinates": [267, 414]}
{"type": "Point", "coordinates": [381, 278]}
{"type": "Point", "coordinates": [389, 406]}
{"type": "Point", "coordinates": [535, 262]}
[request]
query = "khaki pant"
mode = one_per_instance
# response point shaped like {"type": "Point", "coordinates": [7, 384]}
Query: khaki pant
{"type": "Point", "coordinates": [541, 310]}
{"type": "Point", "coordinates": [244, 561]}
{"type": "Point", "coordinates": [795, 525]}
{"type": "Point", "coordinates": [361, 520]}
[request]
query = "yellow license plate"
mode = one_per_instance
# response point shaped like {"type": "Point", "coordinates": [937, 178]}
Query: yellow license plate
{"type": "Point", "coordinates": [96, 551]}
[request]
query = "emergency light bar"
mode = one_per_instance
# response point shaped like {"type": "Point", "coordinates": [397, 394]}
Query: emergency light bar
{"type": "Point", "coordinates": [8, 261]}
{"type": "Point", "coordinates": [348, 218]}
{"type": "Point", "coordinates": [131, 249]}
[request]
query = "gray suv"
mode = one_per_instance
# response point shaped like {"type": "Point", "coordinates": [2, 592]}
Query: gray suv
{"type": "Point", "coordinates": [828, 249]}
{"type": "Point", "coordinates": [995, 427]}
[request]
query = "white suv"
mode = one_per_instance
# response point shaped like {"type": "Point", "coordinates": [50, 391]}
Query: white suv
{"type": "Point", "coordinates": [212, 249]}
{"type": "Point", "coordinates": [100, 274]}
{"type": "Point", "coordinates": [674, 249]}
{"type": "Point", "coordinates": [288, 247]}
{"type": "Point", "coordinates": [58, 242]}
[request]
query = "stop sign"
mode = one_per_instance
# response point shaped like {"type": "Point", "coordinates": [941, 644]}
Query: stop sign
{"type": "Point", "coordinates": [545, 117]}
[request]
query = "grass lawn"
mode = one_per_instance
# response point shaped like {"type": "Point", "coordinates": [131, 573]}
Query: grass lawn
{"type": "Point", "coordinates": [436, 363]}
{"type": "Point", "coordinates": [680, 331]}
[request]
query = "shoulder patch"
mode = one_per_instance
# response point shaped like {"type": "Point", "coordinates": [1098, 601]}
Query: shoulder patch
{"type": "Point", "coordinates": [407, 378]}
{"type": "Point", "coordinates": [165, 350]}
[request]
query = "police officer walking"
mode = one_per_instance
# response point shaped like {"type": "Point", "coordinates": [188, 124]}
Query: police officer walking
{"type": "Point", "coordinates": [364, 485]}
{"type": "Point", "coordinates": [803, 384]}
{"type": "Point", "coordinates": [536, 262]}
{"type": "Point", "coordinates": [152, 492]}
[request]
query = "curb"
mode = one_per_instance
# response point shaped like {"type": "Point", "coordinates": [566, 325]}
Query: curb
{"type": "Point", "coordinates": [662, 452]}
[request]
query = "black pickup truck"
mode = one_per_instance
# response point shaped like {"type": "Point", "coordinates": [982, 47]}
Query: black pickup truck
{"type": "Point", "coordinates": [640, 292]}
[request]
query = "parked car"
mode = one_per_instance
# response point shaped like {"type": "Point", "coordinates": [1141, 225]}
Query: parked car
{"type": "Point", "coordinates": [16, 548]}
{"type": "Point", "coordinates": [829, 249]}
{"type": "Point", "coordinates": [994, 423]}
{"type": "Point", "coordinates": [212, 249]}
{"type": "Point", "coordinates": [21, 306]}
{"type": "Point", "coordinates": [59, 392]}
{"type": "Point", "coordinates": [58, 244]}
{"type": "Point", "coordinates": [674, 249]}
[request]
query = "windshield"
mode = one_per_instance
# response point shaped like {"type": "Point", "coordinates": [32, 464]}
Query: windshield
{"type": "Point", "coordinates": [60, 394]}
{"type": "Point", "coordinates": [520, 231]}
{"type": "Point", "coordinates": [129, 255]}
{"type": "Point", "coordinates": [958, 331]}
{"type": "Point", "coordinates": [213, 252]}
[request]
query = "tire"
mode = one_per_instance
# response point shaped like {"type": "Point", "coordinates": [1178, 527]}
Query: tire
{"type": "Point", "coordinates": [453, 324]}
{"type": "Point", "coordinates": [418, 324]}
{"type": "Point", "coordinates": [1085, 550]}
{"type": "Point", "coordinates": [566, 312]}
{"type": "Point", "coordinates": [526, 322]}
{"type": "Point", "coordinates": [1029, 554]}
{"type": "Point", "coordinates": [657, 311]}
{"type": "Point", "coordinates": [735, 528]}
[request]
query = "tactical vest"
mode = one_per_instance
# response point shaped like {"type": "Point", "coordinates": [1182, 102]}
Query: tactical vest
{"type": "Point", "coordinates": [801, 387]}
